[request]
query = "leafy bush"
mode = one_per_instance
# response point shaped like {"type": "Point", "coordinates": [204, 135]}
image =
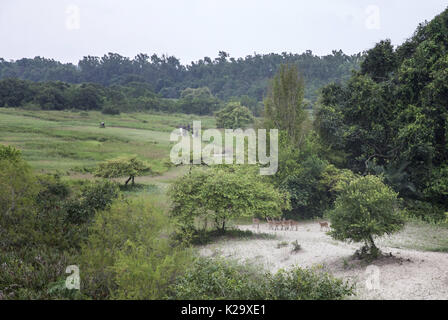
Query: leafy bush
{"type": "Point", "coordinates": [221, 193]}
{"type": "Point", "coordinates": [127, 255]}
{"type": "Point", "coordinates": [307, 284]}
{"type": "Point", "coordinates": [234, 116]}
{"type": "Point", "coordinates": [217, 279]}
{"type": "Point", "coordinates": [366, 208]}
{"type": "Point", "coordinates": [425, 211]}
{"type": "Point", "coordinates": [18, 191]}
{"type": "Point", "coordinates": [94, 196]}
{"type": "Point", "coordinates": [52, 192]}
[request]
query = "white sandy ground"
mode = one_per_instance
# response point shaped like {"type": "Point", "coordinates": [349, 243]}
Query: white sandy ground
{"type": "Point", "coordinates": [408, 274]}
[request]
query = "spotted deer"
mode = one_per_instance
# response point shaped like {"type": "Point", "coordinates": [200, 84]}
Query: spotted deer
{"type": "Point", "coordinates": [324, 225]}
{"type": "Point", "coordinates": [285, 224]}
{"type": "Point", "coordinates": [293, 223]}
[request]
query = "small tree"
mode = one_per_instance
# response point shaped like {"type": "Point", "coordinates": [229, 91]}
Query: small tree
{"type": "Point", "coordinates": [365, 208]}
{"type": "Point", "coordinates": [222, 193]}
{"type": "Point", "coordinates": [234, 116]}
{"type": "Point", "coordinates": [122, 167]}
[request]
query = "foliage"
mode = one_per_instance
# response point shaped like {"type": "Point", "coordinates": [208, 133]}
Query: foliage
{"type": "Point", "coordinates": [94, 196]}
{"type": "Point", "coordinates": [425, 211]}
{"type": "Point", "coordinates": [311, 181]}
{"type": "Point", "coordinates": [221, 193]}
{"type": "Point", "coordinates": [18, 190]}
{"type": "Point", "coordinates": [284, 104]}
{"type": "Point", "coordinates": [365, 208]}
{"type": "Point", "coordinates": [226, 76]}
{"type": "Point", "coordinates": [36, 244]}
{"type": "Point", "coordinates": [390, 117]}
{"type": "Point", "coordinates": [199, 101]}
{"type": "Point", "coordinates": [127, 256]}
{"type": "Point", "coordinates": [218, 279]}
{"type": "Point", "coordinates": [10, 153]}
{"type": "Point", "coordinates": [122, 167]}
{"type": "Point", "coordinates": [234, 116]}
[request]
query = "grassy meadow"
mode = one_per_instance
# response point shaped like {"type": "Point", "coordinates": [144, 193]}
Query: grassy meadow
{"type": "Point", "coordinates": [72, 143]}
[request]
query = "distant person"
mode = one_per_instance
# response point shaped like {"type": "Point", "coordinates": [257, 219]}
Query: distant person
{"type": "Point", "coordinates": [102, 125]}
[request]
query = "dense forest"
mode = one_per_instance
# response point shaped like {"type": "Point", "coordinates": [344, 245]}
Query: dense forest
{"type": "Point", "coordinates": [226, 77]}
{"type": "Point", "coordinates": [390, 118]}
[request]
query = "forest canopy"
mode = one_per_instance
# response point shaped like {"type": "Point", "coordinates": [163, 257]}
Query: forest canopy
{"type": "Point", "coordinates": [390, 118]}
{"type": "Point", "coordinates": [226, 76]}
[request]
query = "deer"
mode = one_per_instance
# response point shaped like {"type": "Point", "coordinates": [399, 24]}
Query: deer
{"type": "Point", "coordinates": [285, 224]}
{"type": "Point", "coordinates": [293, 223]}
{"type": "Point", "coordinates": [324, 225]}
{"type": "Point", "coordinates": [270, 223]}
{"type": "Point", "coordinates": [256, 221]}
{"type": "Point", "coordinates": [273, 224]}
{"type": "Point", "coordinates": [277, 223]}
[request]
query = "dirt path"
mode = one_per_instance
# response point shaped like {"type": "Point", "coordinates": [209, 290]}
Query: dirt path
{"type": "Point", "coordinates": [407, 274]}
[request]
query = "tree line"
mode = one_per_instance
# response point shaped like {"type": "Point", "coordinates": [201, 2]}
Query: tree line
{"type": "Point", "coordinates": [134, 96]}
{"type": "Point", "coordinates": [225, 76]}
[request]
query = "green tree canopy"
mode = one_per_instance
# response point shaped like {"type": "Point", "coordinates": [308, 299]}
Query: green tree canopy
{"type": "Point", "coordinates": [366, 208]}
{"type": "Point", "coordinates": [221, 193]}
{"type": "Point", "coordinates": [391, 117]}
{"type": "Point", "coordinates": [284, 109]}
{"type": "Point", "coordinates": [234, 116]}
{"type": "Point", "coordinates": [122, 167]}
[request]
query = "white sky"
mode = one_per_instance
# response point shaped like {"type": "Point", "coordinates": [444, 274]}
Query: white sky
{"type": "Point", "coordinates": [67, 30]}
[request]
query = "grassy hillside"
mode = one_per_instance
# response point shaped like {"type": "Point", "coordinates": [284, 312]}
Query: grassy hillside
{"type": "Point", "coordinates": [64, 141]}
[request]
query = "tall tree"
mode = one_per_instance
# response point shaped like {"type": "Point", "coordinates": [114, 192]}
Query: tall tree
{"type": "Point", "coordinates": [284, 109]}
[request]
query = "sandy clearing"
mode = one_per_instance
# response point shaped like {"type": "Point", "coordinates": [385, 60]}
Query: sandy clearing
{"type": "Point", "coordinates": [408, 274]}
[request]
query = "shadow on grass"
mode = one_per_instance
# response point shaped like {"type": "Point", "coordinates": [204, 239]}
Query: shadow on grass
{"type": "Point", "coordinates": [207, 237]}
{"type": "Point", "coordinates": [139, 188]}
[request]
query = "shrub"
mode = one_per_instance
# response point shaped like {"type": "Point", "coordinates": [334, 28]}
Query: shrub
{"type": "Point", "coordinates": [425, 211]}
{"type": "Point", "coordinates": [234, 116]}
{"type": "Point", "coordinates": [127, 254]}
{"type": "Point", "coordinates": [217, 279]}
{"type": "Point", "coordinates": [52, 192]}
{"type": "Point", "coordinates": [18, 191]}
{"type": "Point", "coordinates": [94, 196]}
{"type": "Point", "coordinates": [365, 208]}
{"type": "Point", "coordinates": [307, 284]}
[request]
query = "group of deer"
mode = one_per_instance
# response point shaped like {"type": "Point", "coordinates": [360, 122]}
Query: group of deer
{"type": "Point", "coordinates": [283, 224]}
{"type": "Point", "coordinates": [276, 224]}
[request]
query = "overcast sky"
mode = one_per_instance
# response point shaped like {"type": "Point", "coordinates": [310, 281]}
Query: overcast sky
{"type": "Point", "coordinates": [67, 30]}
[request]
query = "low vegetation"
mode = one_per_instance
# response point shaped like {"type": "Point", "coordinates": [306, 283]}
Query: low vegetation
{"type": "Point", "coordinates": [218, 279]}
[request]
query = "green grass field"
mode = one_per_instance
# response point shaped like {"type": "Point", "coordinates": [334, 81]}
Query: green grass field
{"type": "Point", "coordinates": [72, 142]}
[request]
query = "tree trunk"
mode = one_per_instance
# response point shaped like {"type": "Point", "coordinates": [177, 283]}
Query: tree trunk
{"type": "Point", "coordinates": [372, 243]}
